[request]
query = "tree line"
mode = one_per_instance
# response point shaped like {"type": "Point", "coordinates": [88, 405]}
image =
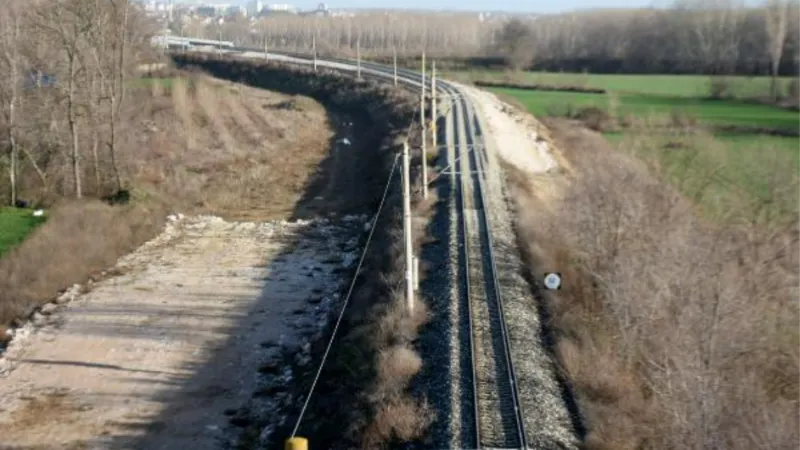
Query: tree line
{"type": "Point", "coordinates": [65, 65]}
{"type": "Point", "coordinates": [693, 36]}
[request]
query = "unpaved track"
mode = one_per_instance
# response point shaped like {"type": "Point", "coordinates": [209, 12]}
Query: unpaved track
{"type": "Point", "coordinates": [153, 358]}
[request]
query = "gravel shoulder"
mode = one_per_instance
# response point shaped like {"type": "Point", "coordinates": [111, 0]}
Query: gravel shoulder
{"type": "Point", "coordinates": [160, 356]}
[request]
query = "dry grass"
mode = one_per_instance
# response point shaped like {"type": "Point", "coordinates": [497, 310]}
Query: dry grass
{"type": "Point", "coordinates": [178, 151]}
{"type": "Point", "coordinates": [672, 332]}
{"type": "Point", "coordinates": [205, 155]}
{"type": "Point", "coordinates": [66, 249]}
{"type": "Point", "coordinates": [361, 399]}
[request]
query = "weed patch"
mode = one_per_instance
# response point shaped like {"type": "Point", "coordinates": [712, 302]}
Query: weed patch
{"type": "Point", "coordinates": [673, 332]}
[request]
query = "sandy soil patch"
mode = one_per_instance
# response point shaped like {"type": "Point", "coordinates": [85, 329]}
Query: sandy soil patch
{"type": "Point", "coordinates": [156, 357]}
{"type": "Point", "coordinates": [518, 140]}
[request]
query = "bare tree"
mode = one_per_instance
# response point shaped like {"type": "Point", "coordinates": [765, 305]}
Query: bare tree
{"type": "Point", "coordinates": [711, 32]}
{"type": "Point", "coordinates": [9, 91]}
{"type": "Point", "coordinates": [776, 15]}
{"type": "Point", "coordinates": [515, 43]}
{"type": "Point", "coordinates": [68, 23]}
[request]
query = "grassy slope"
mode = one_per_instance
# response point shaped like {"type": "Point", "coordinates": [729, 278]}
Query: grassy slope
{"type": "Point", "coordinates": [15, 225]}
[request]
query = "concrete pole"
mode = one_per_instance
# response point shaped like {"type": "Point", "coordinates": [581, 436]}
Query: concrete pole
{"type": "Point", "coordinates": [409, 255]}
{"type": "Point", "coordinates": [423, 134]}
{"type": "Point", "coordinates": [394, 53]}
{"type": "Point", "coordinates": [416, 274]}
{"type": "Point", "coordinates": [314, 49]}
{"type": "Point", "coordinates": [423, 74]}
{"type": "Point", "coordinates": [434, 114]}
{"type": "Point", "coordinates": [266, 49]}
{"type": "Point", "coordinates": [166, 46]}
{"type": "Point", "coordinates": [358, 59]}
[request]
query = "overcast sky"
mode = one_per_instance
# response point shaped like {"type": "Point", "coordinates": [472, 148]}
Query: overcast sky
{"type": "Point", "coordinates": [479, 5]}
{"type": "Point", "coordinates": [543, 6]}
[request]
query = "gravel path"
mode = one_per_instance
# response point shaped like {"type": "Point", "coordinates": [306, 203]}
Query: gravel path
{"type": "Point", "coordinates": [160, 356]}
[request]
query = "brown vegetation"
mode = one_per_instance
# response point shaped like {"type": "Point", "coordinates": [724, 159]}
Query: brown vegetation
{"type": "Point", "coordinates": [673, 332]}
{"type": "Point", "coordinates": [175, 161]}
{"type": "Point", "coordinates": [537, 87]}
{"type": "Point", "coordinates": [361, 399]}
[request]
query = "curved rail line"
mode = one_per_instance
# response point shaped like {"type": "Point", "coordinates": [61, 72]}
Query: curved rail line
{"type": "Point", "coordinates": [498, 416]}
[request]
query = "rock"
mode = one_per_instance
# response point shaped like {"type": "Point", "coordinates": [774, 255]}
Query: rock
{"type": "Point", "coordinates": [347, 260]}
{"type": "Point", "coordinates": [66, 297]}
{"type": "Point", "coordinates": [49, 308]}
{"type": "Point", "coordinates": [270, 390]}
{"type": "Point", "coordinates": [6, 334]}
{"type": "Point", "coordinates": [272, 367]}
{"type": "Point", "coordinates": [240, 421]}
{"type": "Point", "coordinates": [38, 319]}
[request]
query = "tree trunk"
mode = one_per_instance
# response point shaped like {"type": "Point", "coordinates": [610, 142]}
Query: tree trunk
{"type": "Point", "coordinates": [73, 126]}
{"type": "Point", "coordinates": [115, 107]}
{"type": "Point", "coordinates": [12, 141]}
{"type": "Point", "coordinates": [96, 161]}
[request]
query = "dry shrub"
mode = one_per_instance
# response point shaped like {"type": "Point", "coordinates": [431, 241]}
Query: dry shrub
{"type": "Point", "coordinates": [719, 88]}
{"type": "Point", "coordinates": [182, 105]}
{"type": "Point", "coordinates": [673, 332]}
{"type": "Point", "coordinates": [595, 118]}
{"type": "Point", "coordinates": [66, 248]}
{"type": "Point", "coordinates": [397, 365]}
{"type": "Point", "coordinates": [793, 89]}
{"type": "Point", "coordinates": [399, 418]}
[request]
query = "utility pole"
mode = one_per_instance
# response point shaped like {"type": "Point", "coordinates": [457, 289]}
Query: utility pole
{"type": "Point", "coordinates": [423, 134]}
{"type": "Point", "coordinates": [166, 44]}
{"type": "Point", "coordinates": [358, 59]}
{"type": "Point", "coordinates": [423, 74]}
{"type": "Point", "coordinates": [434, 116]}
{"type": "Point", "coordinates": [409, 256]}
{"type": "Point", "coordinates": [266, 49]}
{"type": "Point", "coordinates": [314, 49]}
{"type": "Point", "coordinates": [394, 54]}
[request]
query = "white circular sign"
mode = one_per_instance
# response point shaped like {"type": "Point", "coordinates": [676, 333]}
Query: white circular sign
{"type": "Point", "coordinates": [552, 281]}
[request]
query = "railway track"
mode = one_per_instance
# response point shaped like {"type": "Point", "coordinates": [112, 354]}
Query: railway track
{"type": "Point", "coordinates": [497, 419]}
{"type": "Point", "coordinates": [497, 413]}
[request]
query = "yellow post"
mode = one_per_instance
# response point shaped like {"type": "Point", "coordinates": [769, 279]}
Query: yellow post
{"type": "Point", "coordinates": [296, 443]}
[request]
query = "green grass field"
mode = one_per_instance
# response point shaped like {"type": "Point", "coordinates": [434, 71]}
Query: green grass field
{"type": "Point", "coordinates": [721, 172]}
{"type": "Point", "coordinates": [664, 85]}
{"type": "Point", "coordinates": [15, 225]}
{"type": "Point", "coordinates": [711, 112]}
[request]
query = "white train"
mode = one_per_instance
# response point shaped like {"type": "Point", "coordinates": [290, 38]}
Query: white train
{"type": "Point", "coordinates": [188, 43]}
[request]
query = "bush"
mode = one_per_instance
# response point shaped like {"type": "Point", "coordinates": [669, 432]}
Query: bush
{"type": "Point", "coordinates": [673, 332]}
{"type": "Point", "coordinates": [719, 88]}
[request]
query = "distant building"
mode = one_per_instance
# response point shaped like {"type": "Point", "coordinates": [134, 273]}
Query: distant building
{"type": "Point", "coordinates": [206, 11]}
{"type": "Point", "coordinates": [254, 8]}
{"type": "Point", "coordinates": [280, 7]}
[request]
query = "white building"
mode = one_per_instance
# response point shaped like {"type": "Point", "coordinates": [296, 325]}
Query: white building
{"type": "Point", "coordinates": [280, 7]}
{"type": "Point", "coordinates": [254, 8]}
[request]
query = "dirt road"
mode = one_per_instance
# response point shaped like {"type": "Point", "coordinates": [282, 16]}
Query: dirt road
{"type": "Point", "coordinates": [157, 357]}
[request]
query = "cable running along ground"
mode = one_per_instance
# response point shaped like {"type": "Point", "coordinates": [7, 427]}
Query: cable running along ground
{"type": "Point", "coordinates": [347, 297]}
